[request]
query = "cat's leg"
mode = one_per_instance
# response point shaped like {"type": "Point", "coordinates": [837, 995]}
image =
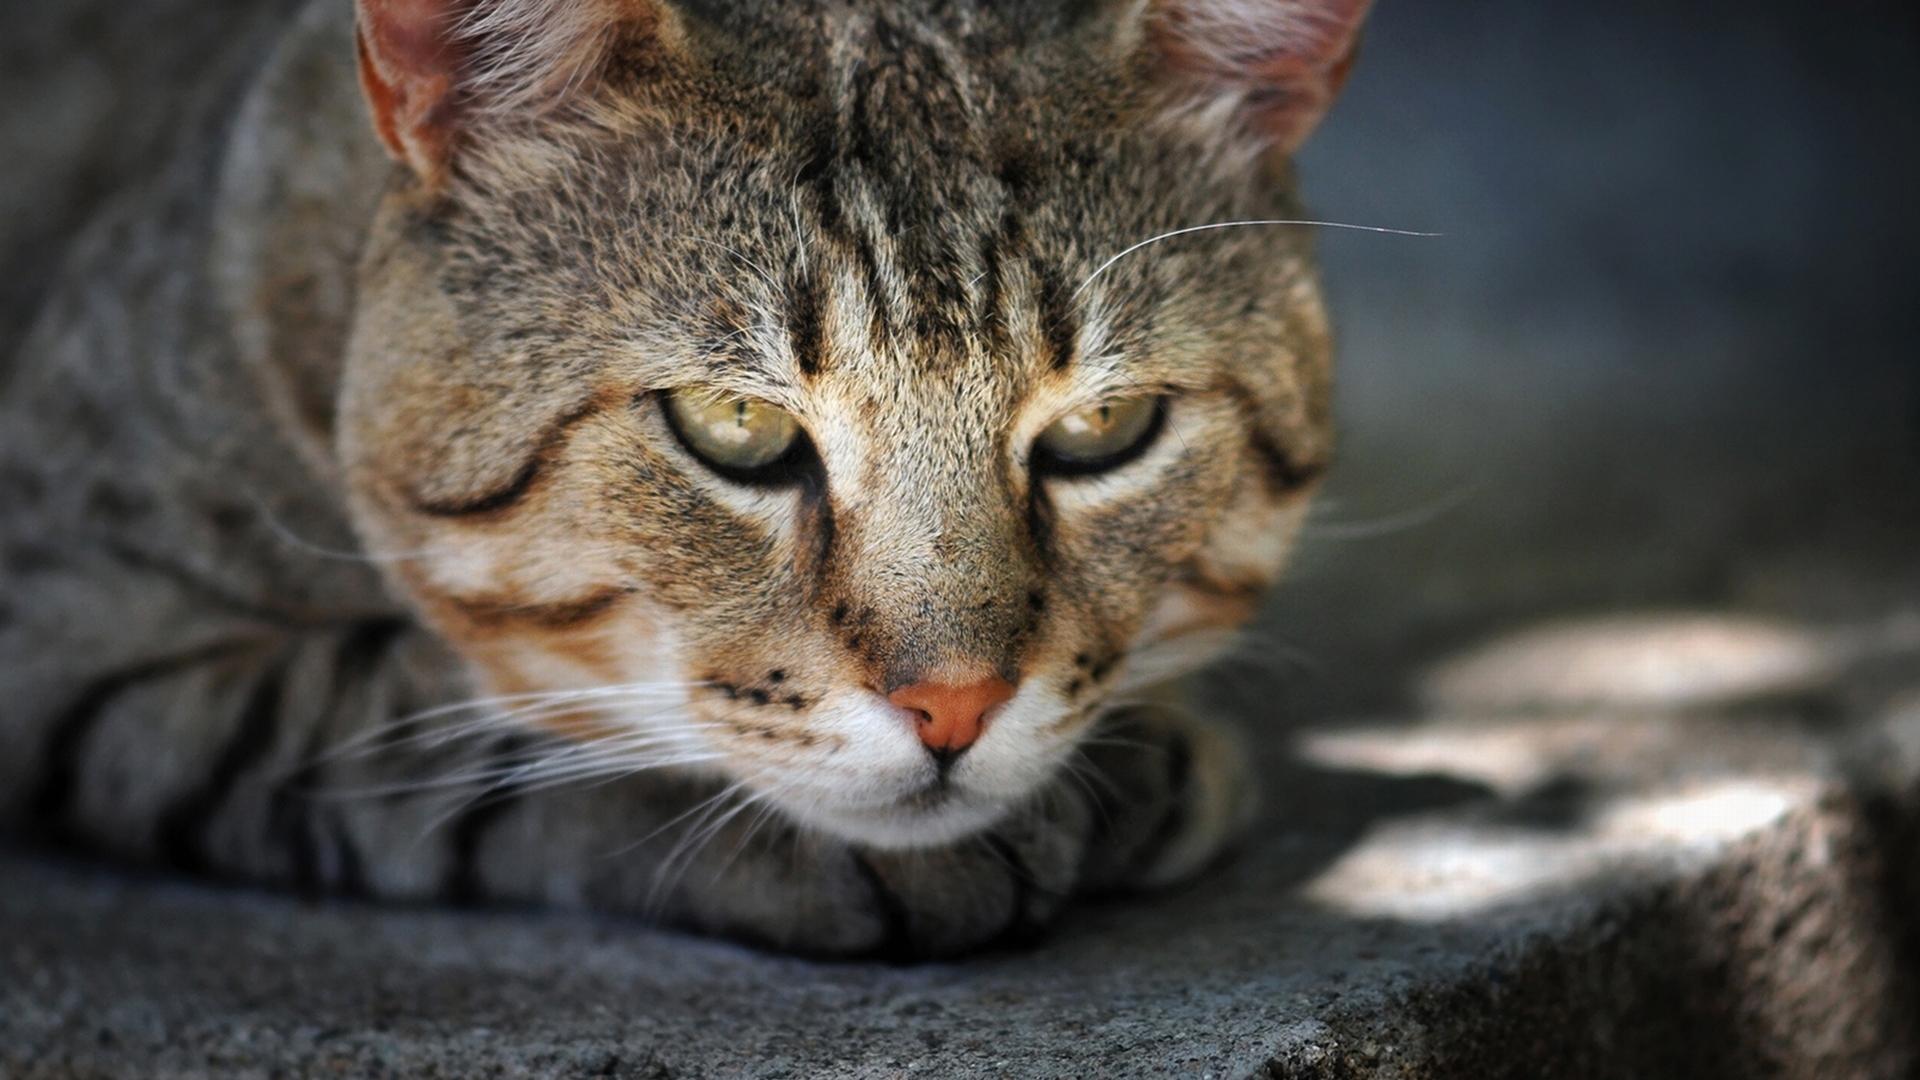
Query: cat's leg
{"type": "Point", "coordinates": [233, 745]}
{"type": "Point", "coordinates": [337, 759]}
{"type": "Point", "coordinates": [343, 760]}
{"type": "Point", "coordinates": [349, 760]}
{"type": "Point", "coordinates": [1153, 799]}
{"type": "Point", "coordinates": [696, 853]}
{"type": "Point", "coordinates": [1177, 791]}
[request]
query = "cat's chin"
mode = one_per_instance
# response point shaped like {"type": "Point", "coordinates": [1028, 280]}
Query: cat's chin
{"type": "Point", "coordinates": [878, 787]}
{"type": "Point", "coordinates": [914, 823]}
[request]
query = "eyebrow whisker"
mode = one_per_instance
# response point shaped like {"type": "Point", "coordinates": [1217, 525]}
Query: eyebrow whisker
{"type": "Point", "coordinates": [1102, 268]}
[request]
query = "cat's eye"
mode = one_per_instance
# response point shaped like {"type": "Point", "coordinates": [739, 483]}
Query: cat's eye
{"type": "Point", "coordinates": [1103, 437]}
{"type": "Point", "coordinates": [742, 438]}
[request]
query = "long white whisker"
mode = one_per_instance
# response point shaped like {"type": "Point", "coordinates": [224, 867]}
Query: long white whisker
{"type": "Point", "coordinates": [301, 543]}
{"type": "Point", "coordinates": [761, 816]}
{"type": "Point", "coordinates": [549, 762]}
{"type": "Point", "coordinates": [493, 718]}
{"type": "Point", "coordinates": [1102, 268]}
{"type": "Point", "coordinates": [667, 873]}
{"type": "Point", "coordinates": [1393, 523]}
{"type": "Point", "coordinates": [602, 772]}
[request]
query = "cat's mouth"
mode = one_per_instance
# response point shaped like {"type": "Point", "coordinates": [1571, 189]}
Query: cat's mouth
{"type": "Point", "coordinates": [931, 796]}
{"type": "Point", "coordinates": [864, 772]}
{"type": "Point", "coordinates": [937, 814]}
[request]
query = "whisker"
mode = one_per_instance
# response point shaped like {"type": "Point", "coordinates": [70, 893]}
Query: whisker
{"type": "Point", "coordinates": [602, 773]}
{"type": "Point", "coordinates": [766, 812]}
{"type": "Point", "coordinates": [1103, 267]}
{"type": "Point", "coordinates": [1393, 523]}
{"type": "Point", "coordinates": [668, 873]}
{"type": "Point", "coordinates": [492, 717]}
{"type": "Point", "coordinates": [301, 543]}
{"type": "Point", "coordinates": [1086, 775]}
{"type": "Point", "coordinates": [549, 763]}
{"type": "Point", "coordinates": [617, 690]}
{"type": "Point", "coordinates": [765, 277]}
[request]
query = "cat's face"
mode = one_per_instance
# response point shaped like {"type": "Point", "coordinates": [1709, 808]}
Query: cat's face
{"type": "Point", "coordinates": [752, 400]}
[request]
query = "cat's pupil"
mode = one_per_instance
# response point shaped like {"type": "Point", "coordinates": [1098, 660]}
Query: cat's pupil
{"type": "Point", "coordinates": [1103, 436]}
{"type": "Point", "coordinates": [733, 434]}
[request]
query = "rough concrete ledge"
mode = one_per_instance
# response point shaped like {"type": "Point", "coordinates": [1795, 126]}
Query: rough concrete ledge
{"type": "Point", "coordinates": [1534, 879]}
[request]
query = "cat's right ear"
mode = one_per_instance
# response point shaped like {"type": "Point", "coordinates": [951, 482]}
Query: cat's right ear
{"type": "Point", "coordinates": [434, 70]}
{"type": "Point", "coordinates": [1275, 64]}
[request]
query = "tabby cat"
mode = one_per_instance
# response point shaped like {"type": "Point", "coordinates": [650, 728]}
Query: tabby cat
{"type": "Point", "coordinates": [750, 463]}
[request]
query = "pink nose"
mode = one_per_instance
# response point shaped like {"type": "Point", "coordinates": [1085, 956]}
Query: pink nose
{"type": "Point", "coordinates": [950, 715]}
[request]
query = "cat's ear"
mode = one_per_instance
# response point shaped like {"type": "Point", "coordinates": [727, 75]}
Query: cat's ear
{"type": "Point", "coordinates": [1279, 62]}
{"type": "Point", "coordinates": [432, 68]}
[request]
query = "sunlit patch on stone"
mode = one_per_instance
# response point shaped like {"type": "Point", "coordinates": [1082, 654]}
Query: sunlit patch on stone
{"type": "Point", "coordinates": [1511, 758]}
{"type": "Point", "coordinates": [1441, 867]}
{"type": "Point", "coordinates": [1710, 816]}
{"type": "Point", "coordinates": [1642, 661]}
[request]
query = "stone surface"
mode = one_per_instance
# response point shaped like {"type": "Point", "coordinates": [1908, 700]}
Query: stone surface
{"type": "Point", "coordinates": [1607, 890]}
{"type": "Point", "coordinates": [1662, 360]}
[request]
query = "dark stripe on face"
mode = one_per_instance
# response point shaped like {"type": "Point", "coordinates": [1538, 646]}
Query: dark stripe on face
{"type": "Point", "coordinates": [806, 323]}
{"type": "Point", "coordinates": [1059, 324]}
{"type": "Point", "coordinates": [996, 250]}
{"type": "Point", "coordinates": [1283, 471]}
{"type": "Point", "coordinates": [520, 484]}
{"type": "Point", "coordinates": [1283, 474]}
{"type": "Point", "coordinates": [180, 833]}
{"type": "Point", "coordinates": [561, 615]}
{"type": "Point", "coordinates": [991, 291]}
{"type": "Point", "coordinates": [936, 285]}
{"type": "Point", "coordinates": [818, 526]}
{"type": "Point", "coordinates": [1040, 522]}
{"type": "Point", "coordinates": [880, 321]}
{"type": "Point", "coordinates": [816, 175]}
{"type": "Point", "coordinates": [61, 755]}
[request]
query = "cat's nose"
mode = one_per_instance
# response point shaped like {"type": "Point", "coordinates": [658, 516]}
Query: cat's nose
{"type": "Point", "coordinates": [950, 714]}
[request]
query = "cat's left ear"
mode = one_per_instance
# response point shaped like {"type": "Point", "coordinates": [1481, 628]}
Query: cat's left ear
{"type": "Point", "coordinates": [1278, 63]}
{"type": "Point", "coordinates": [435, 70]}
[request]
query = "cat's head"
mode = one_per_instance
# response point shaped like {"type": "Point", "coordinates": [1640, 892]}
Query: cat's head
{"type": "Point", "coordinates": [787, 381]}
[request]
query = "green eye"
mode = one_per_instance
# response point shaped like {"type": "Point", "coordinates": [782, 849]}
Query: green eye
{"type": "Point", "coordinates": [737, 436]}
{"type": "Point", "coordinates": [1106, 436]}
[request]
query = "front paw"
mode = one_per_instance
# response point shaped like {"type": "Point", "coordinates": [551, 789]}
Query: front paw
{"type": "Point", "coordinates": [1172, 794]}
{"type": "Point", "coordinates": [1154, 799]}
{"type": "Point", "coordinates": [1003, 886]}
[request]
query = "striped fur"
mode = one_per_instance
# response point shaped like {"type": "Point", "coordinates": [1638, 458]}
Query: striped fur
{"type": "Point", "coordinates": [346, 547]}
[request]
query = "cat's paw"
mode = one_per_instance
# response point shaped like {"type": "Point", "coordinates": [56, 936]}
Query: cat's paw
{"type": "Point", "coordinates": [1172, 794]}
{"type": "Point", "coordinates": [1156, 797]}
{"type": "Point", "coordinates": [1152, 799]}
{"type": "Point", "coordinates": [1003, 886]}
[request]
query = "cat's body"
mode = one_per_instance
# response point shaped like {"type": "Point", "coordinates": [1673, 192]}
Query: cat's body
{"type": "Point", "coordinates": [308, 451]}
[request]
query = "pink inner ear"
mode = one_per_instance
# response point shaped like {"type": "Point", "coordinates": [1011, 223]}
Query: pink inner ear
{"type": "Point", "coordinates": [409, 69]}
{"type": "Point", "coordinates": [413, 36]}
{"type": "Point", "coordinates": [432, 67]}
{"type": "Point", "coordinates": [1288, 57]}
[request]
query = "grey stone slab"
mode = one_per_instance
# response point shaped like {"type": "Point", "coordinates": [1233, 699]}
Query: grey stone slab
{"type": "Point", "coordinates": [1609, 889]}
{"type": "Point", "coordinates": [1662, 357]}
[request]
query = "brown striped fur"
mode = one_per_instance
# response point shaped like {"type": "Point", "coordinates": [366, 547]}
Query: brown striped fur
{"type": "Point", "coordinates": [894, 220]}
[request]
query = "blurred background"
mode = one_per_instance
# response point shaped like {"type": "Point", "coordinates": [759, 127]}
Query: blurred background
{"type": "Point", "coordinates": [1667, 353]}
{"type": "Point", "coordinates": [1664, 355]}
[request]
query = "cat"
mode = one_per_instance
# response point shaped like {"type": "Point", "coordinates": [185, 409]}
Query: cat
{"type": "Point", "coordinates": [753, 465]}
